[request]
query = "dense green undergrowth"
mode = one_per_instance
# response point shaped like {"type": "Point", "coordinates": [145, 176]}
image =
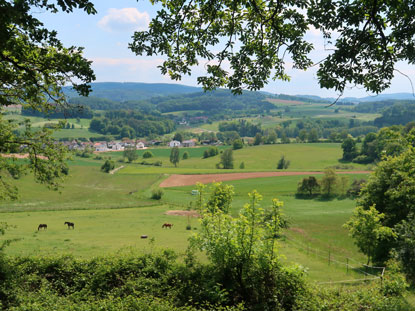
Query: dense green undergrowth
{"type": "Point", "coordinates": [160, 281]}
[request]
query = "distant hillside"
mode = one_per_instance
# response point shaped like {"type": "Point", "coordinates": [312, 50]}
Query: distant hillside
{"type": "Point", "coordinates": [378, 98]}
{"type": "Point", "coordinates": [119, 92]}
{"type": "Point", "coordinates": [207, 103]}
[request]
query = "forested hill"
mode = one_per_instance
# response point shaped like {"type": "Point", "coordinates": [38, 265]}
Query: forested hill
{"type": "Point", "coordinates": [208, 102]}
{"type": "Point", "coordinates": [126, 91]}
{"type": "Point", "coordinates": [219, 100]}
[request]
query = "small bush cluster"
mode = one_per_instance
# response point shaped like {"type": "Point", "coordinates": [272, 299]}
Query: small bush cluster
{"type": "Point", "coordinates": [210, 152]}
{"type": "Point", "coordinates": [147, 154]}
{"type": "Point", "coordinates": [157, 194]}
{"type": "Point", "coordinates": [156, 163]}
{"type": "Point", "coordinates": [108, 166]}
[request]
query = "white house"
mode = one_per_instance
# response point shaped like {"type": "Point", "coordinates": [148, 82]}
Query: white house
{"type": "Point", "coordinates": [140, 145]}
{"type": "Point", "coordinates": [174, 143]}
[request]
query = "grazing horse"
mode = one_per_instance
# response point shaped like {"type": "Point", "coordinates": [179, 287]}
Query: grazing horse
{"type": "Point", "coordinates": [42, 226]}
{"type": "Point", "coordinates": [70, 224]}
{"type": "Point", "coordinates": [166, 225]}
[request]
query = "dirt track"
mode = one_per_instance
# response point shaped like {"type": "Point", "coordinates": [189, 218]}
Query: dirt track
{"type": "Point", "coordinates": [187, 180]}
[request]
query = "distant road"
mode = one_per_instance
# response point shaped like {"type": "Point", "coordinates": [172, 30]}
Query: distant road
{"type": "Point", "coordinates": [188, 180]}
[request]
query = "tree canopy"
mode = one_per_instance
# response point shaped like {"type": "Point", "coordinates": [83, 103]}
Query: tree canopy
{"type": "Point", "coordinates": [34, 68]}
{"type": "Point", "coordinates": [247, 42]}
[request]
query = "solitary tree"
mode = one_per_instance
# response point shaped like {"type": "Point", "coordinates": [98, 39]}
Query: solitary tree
{"type": "Point", "coordinates": [130, 153]}
{"type": "Point", "coordinates": [175, 156]}
{"type": "Point", "coordinates": [329, 182]}
{"type": "Point", "coordinates": [226, 159]}
{"type": "Point", "coordinates": [309, 186]}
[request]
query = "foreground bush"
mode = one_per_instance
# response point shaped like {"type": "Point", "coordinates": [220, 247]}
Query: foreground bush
{"type": "Point", "coordinates": [158, 282]}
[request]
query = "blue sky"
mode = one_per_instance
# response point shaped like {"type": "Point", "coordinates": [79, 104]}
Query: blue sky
{"type": "Point", "coordinates": [105, 37]}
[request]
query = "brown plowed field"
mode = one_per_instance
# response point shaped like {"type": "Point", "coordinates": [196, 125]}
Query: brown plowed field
{"type": "Point", "coordinates": [188, 180]}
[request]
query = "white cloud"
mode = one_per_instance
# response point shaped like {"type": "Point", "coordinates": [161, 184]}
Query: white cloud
{"type": "Point", "coordinates": [127, 19]}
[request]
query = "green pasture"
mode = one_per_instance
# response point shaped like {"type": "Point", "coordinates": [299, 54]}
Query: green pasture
{"type": "Point", "coordinates": [96, 232]}
{"type": "Point", "coordinates": [298, 112]}
{"type": "Point", "coordinates": [302, 157]}
{"type": "Point", "coordinates": [112, 211]}
{"type": "Point", "coordinates": [315, 224]}
{"type": "Point", "coordinates": [86, 187]}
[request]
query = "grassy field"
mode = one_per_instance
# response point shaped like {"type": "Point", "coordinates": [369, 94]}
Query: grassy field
{"type": "Point", "coordinates": [112, 211]}
{"type": "Point", "coordinates": [86, 188]}
{"type": "Point", "coordinates": [293, 110]}
{"type": "Point", "coordinates": [315, 224]}
{"type": "Point", "coordinates": [302, 157]}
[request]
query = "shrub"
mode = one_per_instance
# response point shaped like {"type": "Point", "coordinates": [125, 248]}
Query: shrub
{"type": "Point", "coordinates": [185, 155]}
{"type": "Point", "coordinates": [237, 144]}
{"type": "Point", "coordinates": [242, 165]}
{"type": "Point", "coordinates": [147, 154]}
{"type": "Point", "coordinates": [108, 166]}
{"type": "Point", "coordinates": [283, 163]}
{"type": "Point", "coordinates": [157, 194]}
{"type": "Point", "coordinates": [210, 152]}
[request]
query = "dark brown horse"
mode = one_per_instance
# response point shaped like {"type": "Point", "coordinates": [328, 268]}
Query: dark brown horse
{"type": "Point", "coordinates": [166, 225]}
{"type": "Point", "coordinates": [42, 226]}
{"type": "Point", "coordinates": [70, 224]}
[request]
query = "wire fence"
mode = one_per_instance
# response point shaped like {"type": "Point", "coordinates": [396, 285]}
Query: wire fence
{"type": "Point", "coordinates": [351, 265]}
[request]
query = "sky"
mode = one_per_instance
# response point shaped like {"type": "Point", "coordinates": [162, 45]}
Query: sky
{"type": "Point", "coordinates": [105, 37]}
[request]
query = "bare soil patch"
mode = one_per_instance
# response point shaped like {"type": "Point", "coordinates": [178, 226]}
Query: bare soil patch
{"type": "Point", "coordinates": [188, 180]}
{"type": "Point", "coordinates": [182, 213]}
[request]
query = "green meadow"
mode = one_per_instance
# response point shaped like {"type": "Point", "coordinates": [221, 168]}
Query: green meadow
{"type": "Point", "coordinates": [302, 157]}
{"type": "Point", "coordinates": [112, 211]}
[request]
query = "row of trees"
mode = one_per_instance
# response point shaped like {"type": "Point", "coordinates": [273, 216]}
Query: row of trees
{"type": "Point", "coordinates": [330, 185]}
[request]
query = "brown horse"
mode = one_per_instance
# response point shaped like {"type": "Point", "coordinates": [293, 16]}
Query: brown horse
{"type": "Point", "coordinates": [166, 225]}
{"type": "Point", "coordinates": [42, 226]}
{"type": "Point", "coordinates": [70, 224]}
